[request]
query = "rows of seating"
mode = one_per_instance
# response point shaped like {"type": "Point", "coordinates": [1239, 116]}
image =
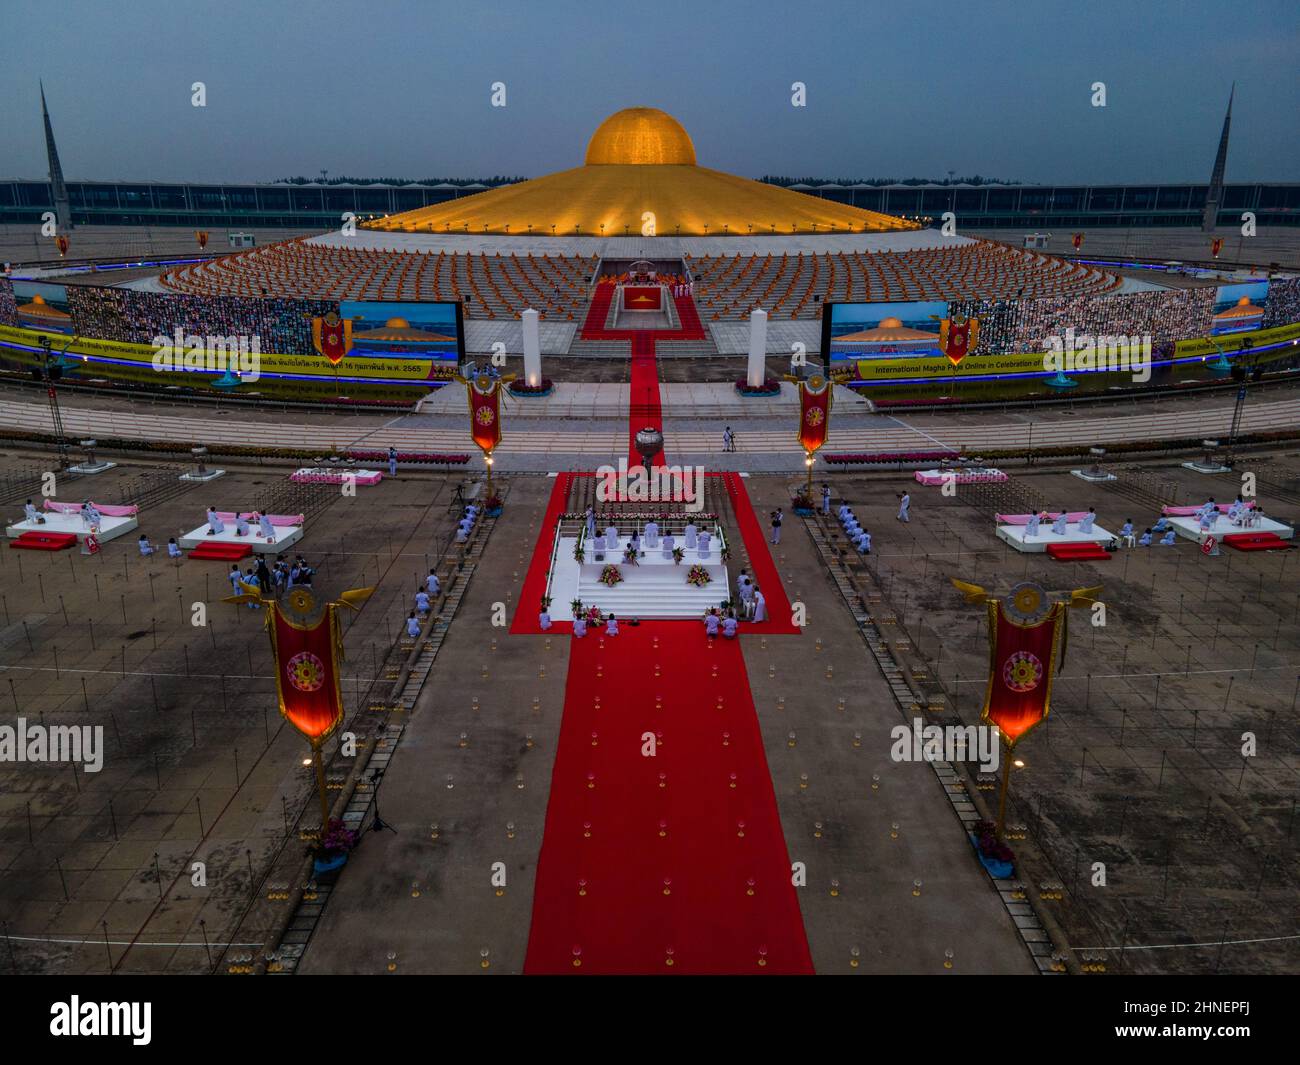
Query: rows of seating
{"type": "Point", "coordinates": [794, 286]}
{"type": "Point", "coordinates": [492, 286]}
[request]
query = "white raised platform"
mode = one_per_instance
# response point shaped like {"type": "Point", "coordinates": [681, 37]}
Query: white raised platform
{"type": "Point", "coordinates": [285, 537]}
{"type": "Point", "coordinates": [654, 588]}
{"type": "Point", "coordinates": [109, 528]}
{"type": "Point", "coordinates": [1015, 536]}
{"type": "Point", "coordinates": [1189, 528]}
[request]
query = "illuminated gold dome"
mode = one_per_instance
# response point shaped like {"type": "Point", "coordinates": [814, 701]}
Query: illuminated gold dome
{"type": "Point", "coordinates": [640, 178]}
{"type": "Point", "coordinates": [640, 136]}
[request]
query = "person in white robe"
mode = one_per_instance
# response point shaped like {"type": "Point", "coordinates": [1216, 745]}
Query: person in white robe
{"type": "Point", "coordinates": [590, 523]}
{"type": "Point", "coordinates": [241, 525]}
{"type": "Point", "coordinates": [1168, 539]}
{"type": "Point", "coordinates": [729, 625]}
{"type": "Point", "coordinates": [412, 625]}
{"type": "Point", "coordinates": [462, 533]}
{"type": "Point", "coordinates": [579, 626]}
{"type": "Point", "coordinates": [711, 623]}
{"type": "Point", "coordinates": [1031, 526]}
{"type": "Point", "coordinates": [422, 601]}
{"type": "Point", "coordinates": [904, 507]}
{"type": "Point", "coordinates": [173, 548]}
{"type": "Point", "coordinates": [215, 525]}
{"type": "Point", "coordinates": [669, 544]}
{"type": "Point", "coordinates": [863, 542]}
{"type": "Point", "coordinates": [691, 535]}
{"type": "Point", "coordinates": [146, 548]}
{"type": "Point", "coordinates": [30, 513]}
{"type": "Point", "coordinates": [1207, 520]}
{"type": "Point", "coordinates": [265, 529]}
{"type": "Point", "coordinates": [234, 577]}
{"type": "Point", "coordinates": [611, 537]}
{"type": "Point", "coordinates": [652, 534]}
{"type": "Point", "coordinates": [611, 626]}
{"type": "Point", "coordinates": [826, 498]}
{"type": "Point", "coordinates": [432, 585]}
{"type": "Point", "coordinates": [760, 605]}
{"type": "Point", "coordinates": [544, 619]}
{"type": "Point", "coordinates": [1085, 523]}
{"type": "Point", "coordinates": [843, 513]}
{"type": "Point", "coordinates": [1059, 524]}
{"type": "Point", "coordinates": [705, 540]}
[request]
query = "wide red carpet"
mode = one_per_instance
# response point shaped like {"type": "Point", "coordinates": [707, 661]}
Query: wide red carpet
{"type": "Point", "coordinates": [534, 587]}
{"type": "Point", "coordinates": [645, 411]}
{"type": "Point", "coordinates": [668, 864]}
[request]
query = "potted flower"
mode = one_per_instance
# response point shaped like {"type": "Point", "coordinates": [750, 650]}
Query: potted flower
{"type": "Point", "coordinates": [678, 555]}
{"type": "Point", "coordinates": [579, 551]}
{"type": "Point", "coordinates": [610, 576]}
{"type": "Point", "coordinates": [803, 506]}
{"type": "Point", "coordinates": [493, 506]}
{"type": "Point", "coordinates": [698, 577]}
{"type": "Point", "coordinates": [575, 607]}
{"type": "Point", "coordinates": [629, 555]}
{"type": "Point", "coordinates": [335, 845]}
{"type": "Point", "coordinates": [996, 857]}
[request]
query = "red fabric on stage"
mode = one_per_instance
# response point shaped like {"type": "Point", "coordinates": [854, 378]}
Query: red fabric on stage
{"type": "Point", "coordinates": [642, 297]}
{"type": "Point", "coordinates": [43, 541]}
{"type": "Point", "coordinates": [530, 596]}
{"type": "Point", "coordinates": [625, 924]}
{"type": "Point", "coordinates": [645, 407]}
{"type": "Point", "coordinates": [763, 568]}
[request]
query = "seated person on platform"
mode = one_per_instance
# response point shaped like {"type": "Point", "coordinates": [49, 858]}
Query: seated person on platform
{"type": "Point", "coordinates": [1208, 506]}
{"type": "Point", "coordinates": [90, 515]}
{"type": "Point", "coordinates": [634, 542]}
{"type": "Point", "coordinates": [843, 512]}
{"type": "Point", "coordinates": [146, 548]}
{"type": "Point", "coordinates": [1234, 511]}
{"type": "Point", "coordinates": [215, 525]}
{"type": "Point", "coordinates": [1168, 539]}
{"type": "Point", "coordinates": [580, 626]}
{"type": "Point", "coordinates": [1059, 524]}
{"type": "Point", "coordinates": [611, 625]}
{"type": "Point", "coordinates": [412, 625]}
{"type": "Point", "coordinates": [1031, 526]}
{"type": "Point", "coordinates": [704, 540]}
{"type": "Point", "coordinates": [1127, 528]}
{"type": "Point", "coordinates": [729, 625]}
{"type": "Point", "coordinates": [711, 622]}
{"type": "Point", "coordinates": [462, 533]}
{"type": "Point", "coordinates": [30, 513]}
{"type": "Point", "coordinates": [652, 534]}
{"type": "Point", "coordinates": [422, 601]}
{"type": "Point", "coordinates": [173, 548]}
{"type": "Point", "coordinates": [432, 585]}
{"type": "Point", "coordinates": [265, 529]}
{"type": "Point", "coordinates": [1085, 523]}
{"type": "Point", "coordinates": [544, 618]}
{"type": "Point", "coordinates": [1145, 539]}
{"type": "Point", "coordinates": [611, 536]}
{"type": "Point", "coordinates": [1207, 520]}
{"type": "Point", "coordinates": [669, 544]}
{"type": "Point", "coordinates": [241, 525]}
{"type": "Point", "coordinates": [1160, 526]}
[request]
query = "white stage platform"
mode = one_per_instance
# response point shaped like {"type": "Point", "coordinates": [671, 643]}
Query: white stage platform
{"type": "Point", "coordinates": [1189, 528]}
{"type": "Point", "coordinates": [1015, 536]}
{"type": "Point", "coordinates": [109, 528]}
{"type": "Point", "coordinates": [654, 588]}
{"type": "Point", "coordinates": [285, 537]}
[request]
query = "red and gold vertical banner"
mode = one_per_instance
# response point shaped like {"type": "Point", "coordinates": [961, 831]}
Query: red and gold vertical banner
{"type": "Point", "coordinates": [485, 411]}
{"type": "Point", "coordinates": [307, 655]}
{"type": "Point", "coordinates": [1023, 656]}
{"type": "Point", "coordinates": [1216, 246]}
{"type": "Point", "coordinates": [331, 336]}
{"type": "Point", "coordinates": [202, 237]}
{"type": "Point", "coordinates": [814, 412]}
{"type": "Point", "coordinates": [61, 242]}
{"type": "Point", "coordinates": [1077, 241]}
{"type": "Point", "coordinates": [958, 337]}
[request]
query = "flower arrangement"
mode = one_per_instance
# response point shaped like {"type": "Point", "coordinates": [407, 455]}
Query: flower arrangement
{"type": "Point", "coordinates": [803, 504]}
{"type": "Point", "coordinates": [546, 602]}
{"type": "Point", "coordinates": [594, 615]}
{"type": "Point", "coordinates": [678, 555]}
{"type": "Point", "coordinates": [520, 387]}
{"type": "Point", "coordinates": [610, 576]}
{"type": "Point", "coordinates": [698, 577]}
{"type": "Point", "coordinates": [770, 387]}
{"type": "Point", "coordinates": [493, 505]}
{"type": "Point", "coordinates": [575, 607]}
{"type": "Point", "coordinates": [337, 840]}
{"type": "Point", "coordinates": [989, 846]}
{"type": "Point", "coordinates": [633, 515]}
{"type": "Point", "coordinates": [629, 556]}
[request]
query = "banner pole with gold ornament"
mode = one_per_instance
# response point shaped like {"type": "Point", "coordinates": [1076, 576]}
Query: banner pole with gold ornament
{"type": "Point", "coordinates": [815, 397]}
{"type": "Point", "coordinates": [1027, 640]}
{"type": "Point", "coordinates": [307, 649]}
{"type": "Point", "coordinates": [483, 392]}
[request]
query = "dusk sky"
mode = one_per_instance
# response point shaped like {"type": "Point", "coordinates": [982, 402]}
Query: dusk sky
{"type": "Point", "coordinates": [900, 89]}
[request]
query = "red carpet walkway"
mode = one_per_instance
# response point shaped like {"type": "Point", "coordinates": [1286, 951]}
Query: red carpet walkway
{"type": "Point", "coordinates": [674, 863]}
{"type": "Point", "coordinates": [646, 411]}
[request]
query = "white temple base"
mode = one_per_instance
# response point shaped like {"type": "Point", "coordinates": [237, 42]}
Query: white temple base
{"type": "Point", "coordinates": [1015, 536]}
{"type": "Point", "coordinates": [285, 537]}
{"type": "Point", "coordinates": [654, 588]}
{"type": "Point", "coordinates": [109, 528]}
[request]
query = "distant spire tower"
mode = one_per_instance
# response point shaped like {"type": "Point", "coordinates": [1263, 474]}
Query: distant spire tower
{"type": "Point", "coordinates": [59, 189]}
{"type": "Point", "coordinates": [1214, 195]}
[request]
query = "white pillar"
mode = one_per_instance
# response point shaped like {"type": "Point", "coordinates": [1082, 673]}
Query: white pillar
{"type": "Point", "coordinates": [757, 372]}
{"type": "Point", "coordinates": [532, 348]}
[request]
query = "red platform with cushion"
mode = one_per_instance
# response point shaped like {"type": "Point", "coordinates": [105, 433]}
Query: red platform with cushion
{"type": "Point", "coordinates": [44, 541]}
{"type": "Point", "coordinates": [1257, 541]}
{"type": "Point", "coordinates": [1078, 552]}
{"type": "Point", "coordinates": [216, 551]}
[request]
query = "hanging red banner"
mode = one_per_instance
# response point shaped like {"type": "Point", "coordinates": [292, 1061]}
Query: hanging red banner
{"type": "Point", "coordinates": [485, 411]}
{"type": "Point", "coordinates": [958, 337]}
{"type": "Point", "coordinates": [331, 336]}
{"type": "Point", "coordinates": [202, 237]}
{"type": "Point", "coordinates": [1077, 241]}
{"type": "Point", "coordinates": [1022, 660]}
{"type": "Point", "coordinates": [1216, 246]}
{"type": "Point", "coordinates": [61, 242]}
{"type": "Point", "coordinates": [814, 412]}
{"type": "Point", "coordinates": [307, 671]}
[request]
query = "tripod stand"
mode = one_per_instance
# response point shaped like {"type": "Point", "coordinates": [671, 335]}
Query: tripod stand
{"type": "Point", "coordinates": [379, 824]}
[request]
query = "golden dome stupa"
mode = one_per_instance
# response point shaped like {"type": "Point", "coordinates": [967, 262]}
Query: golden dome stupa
{"type": "Point", "coordinates": [640, 178]}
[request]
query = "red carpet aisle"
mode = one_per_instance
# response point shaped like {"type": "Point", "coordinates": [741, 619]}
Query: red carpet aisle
{"type": "Point", "coordinates": [761, 564]}
{"type": "Point", "coordinates": [593, 328]}
{"type": "Point", "coordinates": [645, 407]}
{"type": "Point", "coordinates": [534, 586]}
{"type": "Point", "coordinates": [668, 864]}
